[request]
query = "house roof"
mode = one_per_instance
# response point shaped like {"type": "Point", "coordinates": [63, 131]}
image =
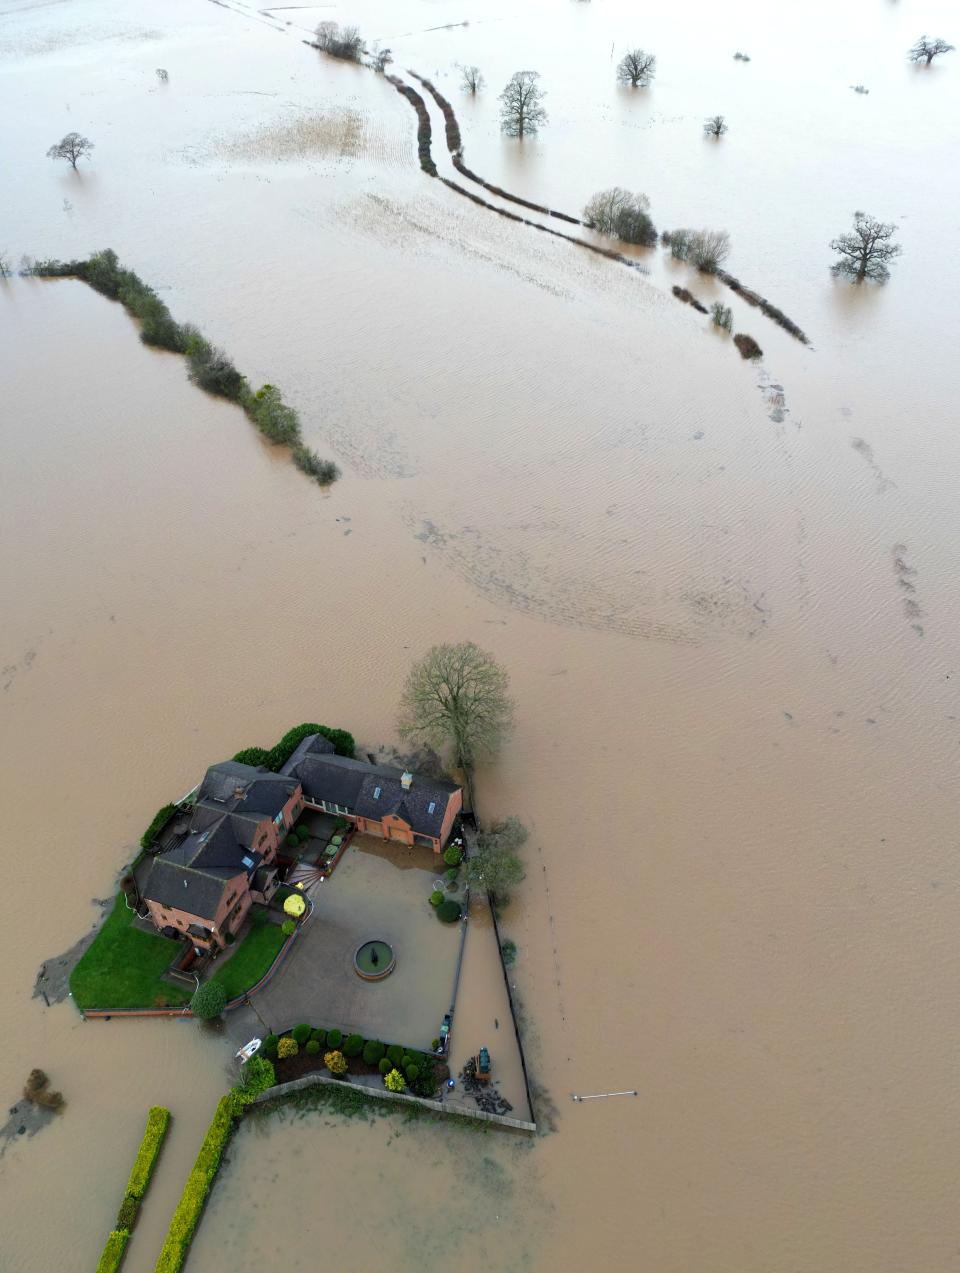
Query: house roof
{"type": "Point", "coordinates": [193, 875]}
{"type": "Point", "coordinates": [179, 887]}
{"type": "Point", "coordinates": [244, 789]}
{"type": "Point", "coordinates": [312, 745]}
{"type": "Point", "coordinates": [372, 791]}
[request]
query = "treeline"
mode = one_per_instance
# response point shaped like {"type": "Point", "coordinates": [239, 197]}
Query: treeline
{"type": "Point", "coordinates": [209, 367]}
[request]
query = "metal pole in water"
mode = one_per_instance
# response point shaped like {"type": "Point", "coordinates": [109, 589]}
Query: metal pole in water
{"type": "Point", "coordinates": [597, 1096]}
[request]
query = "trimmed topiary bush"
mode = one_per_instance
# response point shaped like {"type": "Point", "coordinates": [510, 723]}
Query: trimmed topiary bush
{"type": "Point", "coordinates": [320, 1036]}
{"type": "Point", "coordinates": [452, 855]}
{"type": "Point", "coordinates": [384, 1065]}
{"type": "Point", "coordinates": [353, 1045]}
{"type": "Point", "coordinates": [373, 1052]}
{"type": "Point", "coordinates": [436, 897]}
{"type": "Point", "coordinates": [270, 1045]}
{"type": "Point", "coordinates": [334, 1037]}
{"type": "Point", "coordinates": [312, 1048]}
{"type": "Point", "coordinates": [158, 1119]}
{"type": "Point", "coordinates": [127, 1215]}
{"type": "Point", "coordinates": [335, 1062]}
{"type": "Point", "coordinates": [747, 345]}
{"type": "Point", "coordinates": [406, 1060]}
{"type": "Point", "coordinates": [394, 1081]}
{"type": "Point", "coordinates": [448, 912]}
{"type": "Point", "coordinates": [288, 928]}
{"type": "Point", "coordinates": [301, 1033]}
{"type": "Point", "coordinates": [287, 1047]}
{"type": "Point", "coordinates": [112, 1256]}
{"type": "Point", "coordinates": [209, 1001]}
{"type": "Point", "coordinates": [395, 1053]}
{"type": "Point", "coordinates": [452, 875]}
{"type": "Point", "coordinates": [412, 1072]}
{"type": "Point", "coordinates": [293, 840]}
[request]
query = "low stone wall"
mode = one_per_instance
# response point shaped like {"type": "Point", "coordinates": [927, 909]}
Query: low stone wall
{"type": "Point", "coordinates": [436, 1107]}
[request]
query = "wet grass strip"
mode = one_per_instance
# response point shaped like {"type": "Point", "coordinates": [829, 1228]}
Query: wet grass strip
{"type": "Point", "coordinates": [123, 966]}
{"type": "Point", "coordinates": [189, 1209]}
{"type": "Point", "coordinates": [209, 368]}
{"type": "Point", "coordinates": [158, 1120]}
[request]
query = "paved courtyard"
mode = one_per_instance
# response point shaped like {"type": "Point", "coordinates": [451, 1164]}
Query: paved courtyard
{"type": "Point", "coordinates": [378, 890]}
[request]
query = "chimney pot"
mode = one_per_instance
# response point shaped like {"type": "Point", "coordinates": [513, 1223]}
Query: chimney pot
{"type": "Point", "coordinates": [406, 780]}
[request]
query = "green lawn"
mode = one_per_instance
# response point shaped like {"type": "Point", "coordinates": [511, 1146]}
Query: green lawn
{"type": "Point", "coordinates": [251, 960]}
{"type": "Point", "coordinates": [122, 968]}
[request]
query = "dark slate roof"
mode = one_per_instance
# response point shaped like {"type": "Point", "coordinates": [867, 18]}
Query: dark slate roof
{"type": "Point", "coordinates": [193, 874]}
{"type": "Point", "coordinates": [245, 789]}
{"type": "Point", "coordinates": [312, 745]}
{"type": "Point", "coordinates": [183, 888]}
{"type": "Point", "coordinates": [353, 784]}
{"type": "Point", "coordinates": [412, 805]}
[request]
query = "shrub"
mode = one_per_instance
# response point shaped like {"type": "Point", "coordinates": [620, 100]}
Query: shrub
{"type": "Point", "coordinates": [211, 369]}
{"type": "Point", "coordinates": [679, 243]}
{"type": "Point", "coordinates": [709, 249]}
{"type": "Point", "coordinates": [452, 875]}
{"type": "Point", "coordinates": [406, 1060]}
{"type": "Point", "coordinates": [435, 1044]}
{"type": "Point", "coordinates": [287, 1047]}
{"type": "Point", "coordinates": [318, 1036]}
{"type": "Point", "coordinates": [384, 1065]}
{"type": "Point", "coordinates": [190, 1206]}
{"type": "Point", "coordinates": [412, 1072]}
{"type": "Point", "coordinates": [448, 912]}
{"type": "Point", "coordinates": [353, 1045]}
{"type": "Point", "coordinates": [209, 1001]}
{"type": "Point", "coordinates": [127, 1215]}
{"type": "Point", "coordinates": [312, 1048]}
{"type": "Point", "coordinates": [256, 1077]}
{"type": "Point", "coordinates": [293, 839]}
{"type": "Point", "coordinates": [373, 1052]}
{"type": "Point", "coordinates": [509, 952]}
{"type": "Point", "coordinates": [301, 1033]}
{"type": "Point", "coordinates": [161, 817]}
{"type": "Point", "coordinates": [747, 345]}
{"type": "Point", "coordinates": [288, 928]}
{"type": "Point", "coordinates": [335, 1062]}
{"type": "Point", "coordinates": [273, 417]}
{"type": "Point", "coordinates": [394, 1081]}
{"type": "Point", "coordinates": [307, 461]}
{"type": "Point", "coordinates": [158, 1120]}
{"type": "Point", "coordinates": [345, 43]}
{"type": "Point", "coordinates": [722, 316]}
{"type": "Point", "coordinates": [252, 756]}
{"type": "Point", "coordinates": [436, 897]}
{"type": "Point", "coordinates": [334, 1037]}
{"type": "Point", "coordinates": [452, 854]}
{"type": "Point", "coordinates": [112, 1256]}
{"type": "Point", "coordinates": [269, 1048]}
{"type": "Point", "coordinates": [623, 214]}
{"type": "Point", "coordinates": [395, 1053]}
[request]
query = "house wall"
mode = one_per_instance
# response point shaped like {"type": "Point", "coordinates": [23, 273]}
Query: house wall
{"type": "Point", "coordinates": [270, 833]}
{"type": "Point", "coordinates": [453, 808]}
{"type": "Point", "coordinates": [174, 917]}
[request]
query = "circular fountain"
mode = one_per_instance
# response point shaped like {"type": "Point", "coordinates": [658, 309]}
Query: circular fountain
{"type": "Point", "coordinates": [374, 960]}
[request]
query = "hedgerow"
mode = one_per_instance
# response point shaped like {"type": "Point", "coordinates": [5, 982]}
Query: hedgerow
{"type": "Point", "coordinates": [160, 818]}
{"type": "Point", "coordinates": [112, 1256]}
{"type": "Point", "coordinates": [187, 1214]}
{"type": "Point", "coordinates": [158, 1120]}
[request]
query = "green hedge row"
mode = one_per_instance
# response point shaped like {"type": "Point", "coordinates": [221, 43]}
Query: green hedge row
{"type": "Point", "coordinates": [159, 819]}
{"type": "Point", "coordinates": [112, 1256]}
{"type": "Point", "coordinates": [209, 368]}
{"type": "Point", "coordinates": [158, 1120]}
{"type": "Point", "coordinates": [190, 1207]}
{"type": "Point", "coordinates": [276, 757]}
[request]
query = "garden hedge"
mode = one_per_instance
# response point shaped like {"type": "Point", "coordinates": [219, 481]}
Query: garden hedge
{"type": "Point", "coordinates": [301, 1033]}
{"type": "Point", "coordinates": [343, 743]}
{"type": "Point", "coordinates": [353, 1045]}
{"type": "Point", "coordinates": [187, 1214]}
{"type": "Point", "coordinates": [373, 1051]}
{"type": "Point", "coordinates": [448, 912]}
{"type": "Point", "coordinates": [112, 1256]}
{"type": "Point", "coordinates": [160, 818]}
{"type": "Point", "coordinates": [395, 1053]}
{"type": "Point", "coordinates": [158, 1120]}
{"type": "Point", "coordinates": [334, 1038]}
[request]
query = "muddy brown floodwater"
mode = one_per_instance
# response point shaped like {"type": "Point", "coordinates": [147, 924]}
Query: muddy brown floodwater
{"type": "Point", "coordinates": [726, 594]}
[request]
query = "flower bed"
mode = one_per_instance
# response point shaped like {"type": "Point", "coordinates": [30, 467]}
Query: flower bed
{"type": "Point", "coordinates": [423, 1072]}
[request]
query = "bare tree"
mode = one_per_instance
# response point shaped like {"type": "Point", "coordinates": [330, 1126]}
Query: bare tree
{"type": "Point", "coordinates": [636, 68]}
{"type": "Point", "coordinates": [162, 75]}
{"type": "Point", "coordinates": [456, 697]}
{"type": "Point", "coordinates": [619, 212]}
{"type": "Point", "coordinates": [381, 59]}
{"type": "Point", "coordinates": [495, 865]}
{"type": "Point", "coordinates": [72, 147]}
{"type": "Point", "coordinates": [471, 79]}
{"type": "Point", "coordinates": [709, 249]}
{"type": "Point", "coordinates": [865, 251]}
{"type": "Point", "coordinates": [521, 104]}
{"type": "Point", "coordinates": [926, 49]}
{"type": "Point", "coordinates": [346, 43]}
{"type": "Point", "coordinates": [715, 126]}
{"type": "Point", "coordinates": [6, 269]}
{"type": "Point", "coordinates": [678, 242]}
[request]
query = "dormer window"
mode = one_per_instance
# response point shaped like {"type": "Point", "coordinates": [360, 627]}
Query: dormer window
{"type": "Point", "coordinates": [431, 806]}
{"type": "Point", "coordinates": [376, 792]}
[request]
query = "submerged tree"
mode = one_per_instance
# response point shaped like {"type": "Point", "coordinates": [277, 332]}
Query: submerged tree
{"type": "Point", "coordinates": [521, 104]}
{"type": "Point", "coordinates": [865, 251]}
{"type": "Point", "coordinates": [925, 50]}
{"type": "Point", "coordinates": [456, 697]}
{"type": "Point", "coordinates": [345, 43]}
{"type": "Point", "coordinates": [636, 68]}
{"type": "Point", "coordinates": [381, 59]}
{"type": "Point", "coordinates": [471, 79]}
{"type": "Point", "coordinates": [72, 147]}
{"type": "Point", "coordinates": [209, 1001]}
{"type": "Point", "coordinates": [617, 211]}
{"type": "Point", "coordinates": [715, 126]}
{"type": "Point", "coordinates": [709, 249]}
{"type": "Point", "coordinates": [495, 865]}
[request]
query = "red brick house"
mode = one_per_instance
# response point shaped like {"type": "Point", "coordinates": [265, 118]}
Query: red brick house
{"type": "Point", "coordinates": [219, 853]}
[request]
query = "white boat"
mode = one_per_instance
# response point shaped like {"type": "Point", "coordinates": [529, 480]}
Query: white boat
{"type": "Point", "coordinates": [248, 1050]}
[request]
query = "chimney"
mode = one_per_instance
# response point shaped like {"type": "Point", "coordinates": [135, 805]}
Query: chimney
{"type": "Point", "coordinates": [406, 780]}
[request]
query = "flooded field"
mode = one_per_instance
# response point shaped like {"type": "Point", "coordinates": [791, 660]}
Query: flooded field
{"type": "Point", "coordinates": [725, 592]}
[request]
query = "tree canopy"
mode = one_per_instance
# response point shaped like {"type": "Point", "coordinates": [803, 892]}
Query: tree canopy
{"type": "Point", "coordinates": [71, 147]}
{"type": "Point", "coordinates": [636, 68]}
{"type": "Point", "coordinates": [209, 1001]}
{"type": "Point", "coordinates": [926, 49]}
{"type": "Point", "coordinates": [455, 698]}
{"type": "Point", "coordinates": [866, 249]}
{"type": "Point", "coordinates": [495, 865]}
{"type": "Point", "coordinates": [619, 212]}
{"type": "Point", "coordinates": [521, 104]}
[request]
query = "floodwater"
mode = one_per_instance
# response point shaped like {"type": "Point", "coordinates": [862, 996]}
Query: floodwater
{"type": "Point", "coordinates": [726, 595]}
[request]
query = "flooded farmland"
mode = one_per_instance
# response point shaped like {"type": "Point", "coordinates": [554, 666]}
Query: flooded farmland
{"type": "Point", "coordinates": [725, 592]}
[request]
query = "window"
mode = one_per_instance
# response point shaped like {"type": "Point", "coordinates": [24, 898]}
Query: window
{"type": "Point", "coordinates": [376, 792]}
{"type": "Point", "coordinates": [431, 806]}
{"type": "Point", "coordinates": [231, 897]}
{"type": "Point", "coordinates": [279, 819]}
